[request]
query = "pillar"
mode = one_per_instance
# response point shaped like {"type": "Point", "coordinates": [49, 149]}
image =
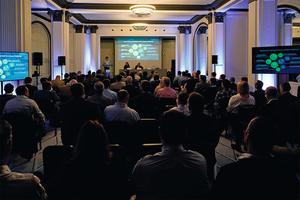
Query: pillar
{"type": "Point", "coordinates": [59, 40]}
{"type": "Point", "coordinates": [181, 53]}
{"type": "Point", "coordinates": [202, 47]}
{"type": "Point", "coordinates": [261, 33]}
{"type": "Point", "coordinates": [87, 49]}
{"type": "Point", "coordinates": [15, 29]}
{"type": "Point", "coordinates": [189, 49]}
{"type": "Point", "coordinates": [79, 47]}
{"type": "Point", "coordinates": [94, 49]}
{"type": "Point", "coordinates": [209, 18]}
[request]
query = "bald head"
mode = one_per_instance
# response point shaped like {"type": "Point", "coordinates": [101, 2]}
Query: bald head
{"type": "Point", "coordinates": [99, 87]}
{"type": "Point", "coordinates": [72, 81]}
{"type": "Point", "coordinates": [271, 93]}
{"type": "Point", "coordinates": [129, 80]}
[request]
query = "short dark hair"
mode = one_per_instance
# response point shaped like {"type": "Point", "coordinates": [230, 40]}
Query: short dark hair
{"type": "Point", "coordinates": [203, 78]}
{"type": "Point", "coordinates": [232, 79]}
{"type": "Point", "coordinates": [67, 75]}
{"type": "Point", "coordinates": [244, 79]}
{"type": "Point", "coordinates": [21, 90]}
{"type": "Point", "coordinates": [98, 86]}
{"type": "Point", "coordinates": [43, 79]}
{"type": "Point", "coordinates": [214, 74]}
{"type": "Point", "coordinates": [156, 77]}
{"type": "Point", "coordinates": [189, 75]}
{"type": "Point", "coordinates": [263, 134]}
{"type": "Point", "coordinates": [173, 135]}
{"type": "Point", "coordinates": [119, 78]}
{"type": "Point", "coordinates": [146, 86]}
{"type": "Point", "coordinates": [106, 83]}
{"type": "Point", "coordinates": [145, 73]}
{"type": "Point", "coordinates": [259, 84]}
{"type": "Point", "coordinates": [106, 57]}
{"type": "Point", "coordinates": [167, 81]}
{"type": "Point", "coordinates": [223, 76]}
{"type": "Point", "coordinates": [182, 98]}
{"type": "Point", "coordinates": [28, 80]}
{"type": "Point", "coordinates": [99, 71]}
{"type": "Point", "coordinates": [46, 85]}
{"type": "Point", "coordinates": [9, 88]}
{"type": "Point", "coordinates": [285, 86]}
{"type": "Point", "coordinates": [179, 72]}
{"type": "Point", "coordinates": [226, 83]}
{"type": "Point", "coordinates": [5, 136]}
{"type": "Point", "coordinates": [271, 91]}
{"type": "Point", "coordinates": [77, 89]}
{"type": "Point", "coordinates": [196, 102]}
{"type": "Point", "coordinates": [122, 95]}
{"type": "Point", "coordinates": [213, 81]}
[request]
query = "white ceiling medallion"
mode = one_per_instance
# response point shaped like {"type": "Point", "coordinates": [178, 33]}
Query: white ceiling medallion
{"type": "Point", "coordinates": [141, 10]}
{"type": "Point", "coordinates": [139, 26]}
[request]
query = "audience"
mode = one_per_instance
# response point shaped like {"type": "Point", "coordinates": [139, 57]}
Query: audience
{"type": "Point", "coordinates": [286, 97]}
{"type": "Point", "coordinates": [166, 91]}
{"type": "Point", "coordinates": [210, 93]}
{"type": "Point", "coordinates": [8, 88]}
{"type": "Point", "coordinates": [118, 84]}
{"type": "Point", "coordinates": [131, 89]}
{"type": "Point", "coordinates": [257, 174]}
{"type": "Point", "coordinates": [154, 83]}
{"type": "Point", "coordinates": [251, 89]}
{"type": "Point", "coordinates": [259, 94]}
{"type": "Point", "coordinates": [120, 111]}
{"type": "Point", "coordinates": [233, 86]}
{"type": "Point", "coordinates": [223, 96]}
{"type": "Point", "coordinates": [57, 82]}
{"type": "Point", "coordinates": [65, 92]}
{"type": "Point", "coordinates": [176, 79]}
{"type": "Point", "coordinates": [107, 92]}
{"type": "Point", "coordinates": [93, 172]}
{"type": "Point", "coordinates": [30, 87]}
{"type": "Point", "coordinates": [174, 173]}
{"type": "Point", "coordinates": [221, 79]}
{"type": "Point", "coordinates": [66, 78]}
{"type": "Point", "coordinates": [15, 185]}
{"type": "Point", "coordinates": [182, 102]}
{"type": "Point", "coordinates": [202, 85]}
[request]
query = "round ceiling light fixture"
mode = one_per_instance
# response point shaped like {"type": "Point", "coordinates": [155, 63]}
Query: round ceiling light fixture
{"type": "Point", "coordinates": [141, 10]}
{"type": "Point", "coordinates": [139, 26]}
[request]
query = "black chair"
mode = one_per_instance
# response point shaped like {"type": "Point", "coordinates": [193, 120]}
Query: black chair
{"type": "Point", "coordinates": [163, 102]}
{"type": "Point", "coordinates": [26, 134]}
{"type": "Point", "coordinates": [146, 131]}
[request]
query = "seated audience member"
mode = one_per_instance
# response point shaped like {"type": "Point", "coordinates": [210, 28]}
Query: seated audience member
{"type": "Point", "coordinates": [174, 173]}
{"type": "Point", "coordinates": [23, 104]}
{"type": "Point", "coordinates": [221, 79]}
{"type": "Point", "coordinates": [75, 113]}
{"type": "Point", "coordinates": [257, 171]}
{"type": "Point", "coordinates": [181, 102]}
{"type": "Point", "coordinates": [15, 185]}
{"type": "Point", "coordinates": [154, 84]}
{"type": "Point", "coordinates": [275, 111]}
{"type": "Point", "coordinates": [201, 86]}
{"type": "Point", "coordinates": [66, 78]}
{"type": "Point", "coordinates": [223, 95]}
{"type": "Point", "coordinates": [65, 92]}
{"type": "Point", "coordinates": [145, 103]}
{"type": "Point", "coordinates": [105, 178]}
{"type": "Point", "coordinates": [78, 73]}
{"type": "Point", "coordinates": [107, 92]}
{"type": "Point", "coordinates": [100, 76]}
{"type": "Point", "coordinates": [251, 89]}
{"type": "Point", "coordinates": [160, 85]}
{"type": "Point", "coordinates": [202, 128]}
{"type": "Point", "coordinates": [118, 84]}
{"type": "Point", "coordinates": [8, 88]}
{"type": "Point", "coordinates": [259, 94]}
{"type": "Point", "coordinates": [99, 98]}
{"type": "Point", "coordinates": [233, 86]}
{"type": "Point", "coordinates": [176, 79]}
{"type": "Point", "coordinates": [166, 91]}
{"type": "Point", "coordinates": [136, 76]}
{"type": "Point", "coordinates": [120, 111]}
{"type": "Point", "coordinates": [154, 74]}
{"type": "Point", "coordinates": [210, 93]}
{"type": "Point", "coordinates": [123, 77]}
{"type": "Point", "coordinates": [213, 75]}
{"type": "Point", "coordinates": [286, 97]}
{"type": "Point", "coordinates": [144, 77]}
{"type": "Point", "coordinates": [57, 82]}
{"type": "Point", "coordinates": [30, 87]}
{"type": "Point", "coordinates": [191, 83]}
{"type": "Point", "coordinates": [131, 89]}
{"type": "Point", "coordinates": [182, 79]}
{"type": "Point", "coordinates": [126, 66]}
{"type": "Point", "coordinates": [138, 66]}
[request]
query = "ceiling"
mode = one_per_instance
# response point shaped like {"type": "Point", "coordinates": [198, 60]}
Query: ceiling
{"type": "Point", "coordinates": [117, 11]}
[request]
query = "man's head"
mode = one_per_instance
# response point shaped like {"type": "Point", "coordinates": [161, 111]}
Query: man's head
{"type": "Point", "coordinates": [271, 93]}
{"type": "Point", "coordinates": [203, 78]}
{"type": "Point", "coordinates": [166, 81]}
{"type": "Point", "coordinates": [168, 131]}
{"type": "Point", "coordinates": [222, 76]}
{"type": "Point", "coordinates": [129, 80]}
{"type": "Point", "coordinates": [47, 85]}
{"type": "Point", "coordinates": [145, 86]}
{"type": "Point", "coordinates": [196, 102]}
{"type": "Point", "coordinates": [179, 73]}
{"type": "Point", "coordinates": [67, 76]}
{"type": "Point", "coordinates": [28, 80]}
{"type": "Point", "coordinates": [225, 84]}
{"type": "Point", "coordinates": [145, 73]}
{"type": "Point", "coordinates": [183, 73]}
{"type": "Point", "coordinates": [243, 88]}
{"type": "Point", "coordinates": [5, 141]}
{"type": "Point", "coordinates": [72, 82]}
{"type": "Point", "coordinates": [8, 88]}
{"type": "Point", "coordinates": [285, 87]}
{"type": "Point", "coordinates": [123, 96]}
{"type": "Point", "coordinates": [22, 90]}
{"type": "Point", "coordinates": [232, 79]}
{"type": "Point", "coordinates": [212, 81]}
{"type": "Point", "coordinates": [244, 79]}
{"type": "Point", "coordinates": [43, 79]}
{"type": "Point", "coordinates": [260, 136]}
{"type": "Point", "coordinates": [182, 98]}
{"type": "Point", "coordinates": [138, 64]}
{"type": "Point", "coordinates": [77, 90]}
{"type": "Point", "coordinates": [99, 71]}
{"type": "Point", "coordinates": [135, 71]}
{"type": "Point", "coordinates": [258, 85]}
{"type": "Point", "coordinates": [106, 58]}
{"type": "Point", "coordinates": [57, 77]}
{"type": "Point", "coordinates": [213, 74]}
{"type": "Point", "coordinates": [99, 87]}
{"type": "Point", "coordinates": [78, 73]}
{"type": "Point", "coordinates": [106, 83]}
{"type": "Point", "coordinates": [156, 77]}
{"type": "Point", "coordinates": [119, 78]}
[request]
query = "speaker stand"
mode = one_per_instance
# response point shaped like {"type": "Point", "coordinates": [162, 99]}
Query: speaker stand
{"type": "Point", "coordinates": [37, 68]}
{"type": "Point", "coordinates": [61, 70]}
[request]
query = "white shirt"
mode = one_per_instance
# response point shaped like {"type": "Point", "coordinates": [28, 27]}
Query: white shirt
{"type": "Point", "coordinates": [106, 63]}
{"type": "Point", "coordinates": [121, 112]}
{"type": "Point", "coordinates": [236, 101]}
{"type": "Point", "coordinates": [182, 108]}
{"type": "Point", "coordinates": [24, 105]}
{"type": "Point", "coordinates": [110, 94]}
{"type": "Point", "coordinates": [20, 186]}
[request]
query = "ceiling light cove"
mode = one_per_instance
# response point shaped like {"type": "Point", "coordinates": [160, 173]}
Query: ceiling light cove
{"type": "Point", "coordinates": [141, 10]}
{"type": "Point", "coordinates": [139, 26]}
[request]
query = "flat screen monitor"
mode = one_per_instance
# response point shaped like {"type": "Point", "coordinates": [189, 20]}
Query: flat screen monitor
{"type": "Point", "coordinates": [13, 66]}
{"type": "Point", "coordinates": [276, 60]}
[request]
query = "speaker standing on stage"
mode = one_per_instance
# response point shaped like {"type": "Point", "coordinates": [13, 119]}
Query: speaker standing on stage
{"type": "Point", "coordinates": [106, 63]}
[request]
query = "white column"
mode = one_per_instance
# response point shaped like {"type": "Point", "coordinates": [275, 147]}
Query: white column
{"type": "Point", "coordinates": [189, 44]}
{"type": "Point", "coordinates": [59, 40]}
{"type": "Point", "coordinates": [288, 29]}
{"type": "Point", "coordinates": [94, 57]}
{"type": "Point", "coordinates": [87, 50]}
{"type": "Point", "coordinates": [210, 19]}
{"type": "Point", "coordinates": [262, 32]}
{"type": "Point", "coordinates": [79, 46]}
{"type": "Point", "coordinates": [15, 28]}
{"type": "Point", "coordinates": [202, 46]}
{"type": "Point", "coordinates": [219, 42]}
{"type": "Point", "coordinates": [181, 55]}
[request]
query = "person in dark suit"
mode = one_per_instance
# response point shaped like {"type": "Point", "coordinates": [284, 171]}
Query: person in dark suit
{"type": "Point", "coordinates": [132, 90]}
{"type": "Point", "coordinates": [259, 94]}
{"type": "Point", "coordinates": [126, 65]}
{"type": "Point", "coordinates": [154, 84]}
{"type": "Point", "coordinates": [138, 66]}
{"type": "Point", "coordinates": [74, 113]}
{"type": "Point", "coordinates": [233, 86]}
{"type": "Point", "coordinates": [210, 94]}
{"type": "Point", "coordinates": [31, 88]}
{"type": "Point", "coordinates": [190, 83]}
{"type": "Point", "coordinates": [286, 97]}
{"type": "Point", "coordinates": [145, 103]}
{"type": "Point", "coordinates": [257, 174]}
{"type": "Point", "coordinates": [8, 88]}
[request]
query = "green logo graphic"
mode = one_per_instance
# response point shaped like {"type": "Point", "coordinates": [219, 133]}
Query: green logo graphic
{"type": "Point", "coordinates": [273, 56]}
{"type": "Point", "coordinates": [274, 64]}
{"type": "Point", "coordinates": [268, 61]}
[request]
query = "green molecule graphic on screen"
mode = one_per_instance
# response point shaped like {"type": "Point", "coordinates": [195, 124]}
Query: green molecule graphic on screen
{"type": "Point", "coordinates": [137, 50]}
{"type": "Point", "coordinates": [277, 61]}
